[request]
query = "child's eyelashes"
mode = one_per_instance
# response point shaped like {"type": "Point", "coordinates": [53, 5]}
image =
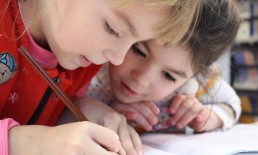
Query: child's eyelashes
{"type": "Point", "coordinates": [110, 30]}
{"type": "Point", "coordinates": [137, 51]}
{"type": "Point", "coordinates": [168, 77]}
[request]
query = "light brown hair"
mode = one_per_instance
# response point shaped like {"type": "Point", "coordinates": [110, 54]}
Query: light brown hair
{"type": "Point", "coordinates": [182, 19]}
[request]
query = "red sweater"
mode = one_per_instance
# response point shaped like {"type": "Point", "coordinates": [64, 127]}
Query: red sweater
{"type": "Point", "coordinates": [24, 95]}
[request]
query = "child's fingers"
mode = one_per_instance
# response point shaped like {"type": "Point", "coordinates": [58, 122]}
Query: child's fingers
{"type": "Point", "coordinates": [202, 116]}
{"type": "Point", "coordinates": [184, 106]}
{"type": "Point", "coordinates": [136, 140]}
{"type": "Point", "coordinates": [113, 153]}
{"type": "Point", "coordinates": [146, 113]}
{"type": "Point", "coordinates": [198, 124]}
{"type": "Point", "coordinates": [98, 150]}
{"type": "Point", "coordinates": [121, 107]}
{"type": "Point", "coordinates": [127, 110]}
{"type": "Point", "coordinates": [141, 121]}
{"type": "Point", "coordinates": [137, 112]}
{"type": "Point", "coordinates": [153, 107]}
{"type": "Point", "coordinates": [176, 117]}
{"type": "Point", "coordinates": [121, 151]}
{"type": "Point", "coordinates": [189, 115]}
{"type": "Point", "coordinates": [120, 126]}
{"type": "Point", "coordinates": [175, 104]}
{"type": "Point", "coordinates": [126, 139]}
{"type": "Point", "coordinates": [129, 115]}
{"type": "Point", "coordinates": [107, 138]}
{"type": "Point", "coordinates": [181, 111]}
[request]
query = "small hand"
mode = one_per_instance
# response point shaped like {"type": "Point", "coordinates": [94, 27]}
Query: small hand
{"type": "Point", "coordinates": [73, 138]}
{"type": "Point", "coordinates": [206, 121]}
{"type": "Point", "coordinates": [143, 113]}
{"type": "Point", "coordinates": [188, 110]}
{"type": "Point", "coordinates": [184, 109]}
{"type": "Point", "coordinates": [104, 115]}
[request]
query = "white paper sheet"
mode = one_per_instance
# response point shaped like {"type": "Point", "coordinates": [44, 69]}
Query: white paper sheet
{"type": "Point", "coordinates": [239, 138]}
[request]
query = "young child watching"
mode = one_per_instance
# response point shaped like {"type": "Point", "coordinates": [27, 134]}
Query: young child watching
{"type": "Point", "coordinates": [151, 72]}
{"type": "Point", "coordinates": [221, 98]}
{"type": "Point", "coordinates": [69, 39]}
{"type": "Point", "coordinates": [221, 105]}
{"type": "Point", "coordinates": [215, 31]}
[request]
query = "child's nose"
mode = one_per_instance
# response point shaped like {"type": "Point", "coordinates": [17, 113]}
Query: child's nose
{"type": "Point", "coordinates": [142, 77]}
{"type": "Point", "coordinates": [116, 56]}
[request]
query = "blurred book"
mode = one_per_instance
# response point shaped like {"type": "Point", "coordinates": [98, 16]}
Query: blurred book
{"type": "Point", "coordinates": [242, 138]}
{"type": "Point", "coordinates": [244, 7]}
{"type": "Point", "coordinates": [245, 74]}
{"type": "Point", "coordinates": [249, 105]}
{"type": "Point", "coordinates": [243, 34]}
{"type": "Point", "coordinates": [246, 79]}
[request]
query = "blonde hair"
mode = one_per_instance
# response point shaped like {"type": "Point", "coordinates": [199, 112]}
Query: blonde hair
{"type": "Point", "coordinates": [183, 17]}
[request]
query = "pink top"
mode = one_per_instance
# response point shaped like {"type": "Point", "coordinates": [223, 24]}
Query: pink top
{"type": "Point", "coordinates": [5, 125]}
{"type": "Point", "coordinates": [48, 60]}
{"type": "Point", "coordinates": [44, 57]}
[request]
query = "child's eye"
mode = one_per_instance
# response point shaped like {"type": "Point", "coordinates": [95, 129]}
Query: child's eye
{"type": "Point", "coordinates": [168, 77]}
{"type": "Point", "coordinates": [110, 30]}
{"type": "Point", "coordinates": [137, 51]}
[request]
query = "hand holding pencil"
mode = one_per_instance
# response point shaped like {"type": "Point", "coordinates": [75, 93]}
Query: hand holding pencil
{"type": "Point", "coordinates": [97, 138]}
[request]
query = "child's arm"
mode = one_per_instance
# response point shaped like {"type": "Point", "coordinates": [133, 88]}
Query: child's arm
{"type": "Point", "coordinates": [102, 114]}
{"type": "Point", "coordinates": [74, 138]}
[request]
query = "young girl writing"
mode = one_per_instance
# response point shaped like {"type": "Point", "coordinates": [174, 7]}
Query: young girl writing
{"type": "Point", "coordinates": [69, 38]}
{"type": "Point", "coordinates": [151, 72]}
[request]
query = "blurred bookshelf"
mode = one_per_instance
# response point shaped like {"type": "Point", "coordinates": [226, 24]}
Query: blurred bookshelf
{"type": "Point", "coordinates": [244, 61]}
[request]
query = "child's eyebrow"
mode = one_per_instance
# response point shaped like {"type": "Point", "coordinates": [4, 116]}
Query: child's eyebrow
{"type": "Point", "coordinates": [125, 19]}
{"type": "Point", "coordinates": [177, 72]}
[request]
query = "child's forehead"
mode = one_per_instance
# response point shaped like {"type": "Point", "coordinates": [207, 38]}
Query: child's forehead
{"type": "Point", "coordinates": [141, 20]}
{"type": "Point", "coordinates": [176, 27]}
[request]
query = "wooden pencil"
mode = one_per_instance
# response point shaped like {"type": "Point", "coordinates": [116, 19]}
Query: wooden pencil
{"type": "Point", "coordinates": [77, 113]}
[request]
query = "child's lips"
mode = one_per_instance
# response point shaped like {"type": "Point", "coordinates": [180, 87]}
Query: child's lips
{"type": "Point", "coordinates": [127, 90]}
{"type": "Point", "coordinates": [84, 61]}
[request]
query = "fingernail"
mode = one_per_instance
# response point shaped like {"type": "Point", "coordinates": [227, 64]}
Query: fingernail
{"type": "Point", "coordinates": [149, 128]}
{"type": "Point", "coordinates": [172, 111]}
{"type": "Point", "coordinates": [179, 126]}
{"type": "Point", "coordinates": [157, 111]}
{"type": "Point", "coordinates": [155, 121]}
{"type": "Point", "coordinates": [173, 122]}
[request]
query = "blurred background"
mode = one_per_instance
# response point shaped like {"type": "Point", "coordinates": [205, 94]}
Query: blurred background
{"type": "Point", "coordinates": [239, 66]}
